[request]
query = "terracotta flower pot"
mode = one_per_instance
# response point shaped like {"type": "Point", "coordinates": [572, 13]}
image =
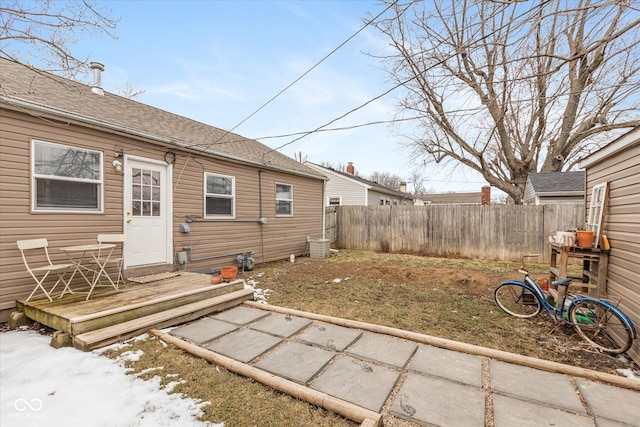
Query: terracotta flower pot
{"type": "Point", "coordinates": [585, 238]}
{"type": "Point", "coordinates": [229, 273]}
{"type": "Point", "coordinates": [215, 279]}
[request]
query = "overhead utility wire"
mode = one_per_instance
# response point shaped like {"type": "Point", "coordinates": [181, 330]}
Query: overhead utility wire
{"type": "Point", "coordinates": [301, 76]}
{"type": "Point", "coordinates": [402, 83]}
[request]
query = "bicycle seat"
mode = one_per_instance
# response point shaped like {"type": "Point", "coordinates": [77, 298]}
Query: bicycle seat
{"type": "Point", "coordinates": [562, 282]}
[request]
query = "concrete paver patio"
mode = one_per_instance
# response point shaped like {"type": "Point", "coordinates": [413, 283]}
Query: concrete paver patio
{"type": "Point", "coordinates": [422, 383]}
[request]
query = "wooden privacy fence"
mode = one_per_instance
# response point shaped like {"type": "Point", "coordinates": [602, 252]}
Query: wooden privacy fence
{"type": "Point", "coordinates": [501, 232]}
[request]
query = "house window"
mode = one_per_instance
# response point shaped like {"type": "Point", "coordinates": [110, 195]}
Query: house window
{"type": "Point", "coordinates": [381, 201]}
{"type": "Point", "coordinates": [66, 178]}
{"type": "Point", "coordinates": [219, 196]}
{"type": "Point", "coordinates": [284, 200]}
{"type": "Point", "coordinates": [335, 201]}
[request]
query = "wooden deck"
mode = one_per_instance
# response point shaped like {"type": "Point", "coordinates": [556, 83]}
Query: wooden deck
{"type": "Point", "coordinates": [111, 316]}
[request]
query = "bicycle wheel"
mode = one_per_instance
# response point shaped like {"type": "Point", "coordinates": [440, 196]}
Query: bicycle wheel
{"type": "Point", "coordinates": [517, 300]}
{"type": "Point", "coordinates": [598, 324]}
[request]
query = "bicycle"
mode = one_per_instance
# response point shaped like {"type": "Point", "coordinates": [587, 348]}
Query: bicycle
{"type": "Point", "coordinates": [596, 320]}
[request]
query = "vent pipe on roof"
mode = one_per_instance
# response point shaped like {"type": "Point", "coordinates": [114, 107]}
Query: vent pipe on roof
{"type": "Point", "coordinates": [97, 68]}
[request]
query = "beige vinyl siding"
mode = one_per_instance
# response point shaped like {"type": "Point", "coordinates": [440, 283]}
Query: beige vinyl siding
{"type": "Point", "coordinates": [61, 229]}
{"type": "Point", "coordinates": [277, 239]}
{"type": "Point", "coordinates": [622, 227]}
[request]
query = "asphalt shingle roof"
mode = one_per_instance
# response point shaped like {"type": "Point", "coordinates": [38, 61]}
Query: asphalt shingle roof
{"type": "Point", "coordinates": [30, 88]}
{"type": "Point", "coordinates": [547, 182]}
{"type": "Point", "coordinates": [374, 185]}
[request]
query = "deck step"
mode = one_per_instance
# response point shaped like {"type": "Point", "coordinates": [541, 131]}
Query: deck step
{"type": "Point", "coordinates": [103, 318]}
{"type": "Point", "coordinates": [101, 337]}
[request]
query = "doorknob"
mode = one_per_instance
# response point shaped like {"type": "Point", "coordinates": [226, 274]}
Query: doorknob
{"type": "Point", "coordinates": [128, 221]}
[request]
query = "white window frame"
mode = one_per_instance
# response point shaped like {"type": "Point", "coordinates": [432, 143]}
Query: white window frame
{"type": "Point", "coordinates": [231, 196]}
{"type": "Point", "coordinates": [283, 200]}
{"type": "Point", "coordinates": [596, 213]}
{"type": "Point", "coordinates": [35, 176]}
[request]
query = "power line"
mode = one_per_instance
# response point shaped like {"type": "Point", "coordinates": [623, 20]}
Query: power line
{"type": "Point", "coordinates": [303, 75]}
{"type": "Point", "coordinates": [402, 83]}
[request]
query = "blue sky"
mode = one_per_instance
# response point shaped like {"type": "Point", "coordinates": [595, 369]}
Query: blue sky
{"type": "Point", "coordinates": [219, 61]}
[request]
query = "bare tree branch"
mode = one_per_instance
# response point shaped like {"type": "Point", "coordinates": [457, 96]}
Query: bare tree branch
{"type": "Point", "coordinates": [41, 33]}
{"type": "Point", "coordinates": [507, 88]}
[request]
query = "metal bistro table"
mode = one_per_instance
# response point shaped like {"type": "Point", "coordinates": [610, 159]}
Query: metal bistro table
{"type": "Point", "coordinates": [89, 259]}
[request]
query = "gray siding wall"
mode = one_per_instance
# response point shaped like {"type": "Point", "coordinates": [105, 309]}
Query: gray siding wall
{"type": "Point", "coordinates": [277, 239]}
{"type": "Point", "coordinates": [375, 196]}
{"type": "Point", "coordinates": [622, 227]}
{"type": "Point", "coordinates": [351, 192]}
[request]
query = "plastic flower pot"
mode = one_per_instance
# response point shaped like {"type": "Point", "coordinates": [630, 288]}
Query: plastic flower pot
{"type": "Point", "coordinates": [229, 273]}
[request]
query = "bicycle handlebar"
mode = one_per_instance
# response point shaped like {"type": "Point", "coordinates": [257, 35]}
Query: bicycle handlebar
{"type": "Point", "coordinates": [522, 269]}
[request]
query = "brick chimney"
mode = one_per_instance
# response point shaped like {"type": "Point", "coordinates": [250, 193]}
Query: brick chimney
{"type": "Point", "coordinates": [486, 195]}
{"type": "Point", "coordinates": [403, 187]}
{"type": "Point", "coordinates": [351, 169]}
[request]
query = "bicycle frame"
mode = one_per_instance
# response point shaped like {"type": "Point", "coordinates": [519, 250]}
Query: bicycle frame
{"type": "Point", "coordinates": [558, 313]}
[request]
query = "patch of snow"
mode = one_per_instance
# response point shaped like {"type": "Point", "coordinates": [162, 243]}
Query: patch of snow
{"type": "Point", "coordinates": [259, 295]}
{"type": "Point", "coordinates": [629, 373]}
{"type": "Point", "coordinates": [42, 386]}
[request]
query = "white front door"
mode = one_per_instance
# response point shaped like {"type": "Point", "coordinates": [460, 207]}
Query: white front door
{"type": "Point", "coordinates": [147, 207]}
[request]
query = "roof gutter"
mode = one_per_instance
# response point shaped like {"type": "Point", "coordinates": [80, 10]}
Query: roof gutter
{"type": "Point", "coordinates": [20, 105]}
{"type": "Point", "coordinates": [561, 193]}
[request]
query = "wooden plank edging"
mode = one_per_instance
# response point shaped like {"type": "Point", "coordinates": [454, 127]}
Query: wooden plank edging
{"type": "Point", "coordinates": [504, 356]}
{"type": "Point", "coordinates": [348, 410]}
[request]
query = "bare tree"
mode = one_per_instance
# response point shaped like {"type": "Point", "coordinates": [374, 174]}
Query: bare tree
{"type": "Point", "coordinates": [130, 93]}
{"type": "Point", "coordinates": [41, 33]}
{"type": "Point", "coordinates": [386, 179]}
{"type": "Point", "coordinates": [300, 156]}
{"type": "Point", "coordinates": [418, 182]}
{"type": "Point", "coordinates": [508, 88]}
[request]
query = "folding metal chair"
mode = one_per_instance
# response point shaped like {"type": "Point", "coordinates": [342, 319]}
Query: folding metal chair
{"type": "Point", "coordinates": [118, 260]}
{"type": "Point", "coordinates": [36, 248]}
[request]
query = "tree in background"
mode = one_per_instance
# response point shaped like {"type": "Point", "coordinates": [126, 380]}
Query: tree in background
{"type": "Point", "coordinates": [41, 33]}
{"type": "Point", "coordinates": [386, 179]}
{"type": "Point", "coordinates": [508, 87]}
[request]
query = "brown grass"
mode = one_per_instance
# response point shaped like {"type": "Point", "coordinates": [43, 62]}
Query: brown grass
{"type": "Point", "coordinates": [444, 297]}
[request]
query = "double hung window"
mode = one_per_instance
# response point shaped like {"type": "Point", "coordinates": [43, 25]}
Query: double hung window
{"type": "Point", "coordinates": [219, 196]}
{"type": "Point", "coordinates": [66, 179]}
{"type": "Point", "coordinates": [284, 200]}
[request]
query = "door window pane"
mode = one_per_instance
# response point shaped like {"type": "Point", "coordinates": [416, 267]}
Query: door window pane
{"type": "Point", "coordinates": [145, 189]}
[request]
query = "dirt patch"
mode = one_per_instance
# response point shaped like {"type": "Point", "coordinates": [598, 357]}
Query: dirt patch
{"type": "Point", "coordinates": [448, 298]}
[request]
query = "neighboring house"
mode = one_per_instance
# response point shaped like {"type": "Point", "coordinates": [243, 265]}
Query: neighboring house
{"type": "Point", "coordinates": [618, 164]}
{"type": "Point", "coordinates": [482, 197]}
{"type": "Point", "coordinates": [348, 189]}
{"type": "Point", "coordinates": [554, 188]}
{"type": "Point", "coordinates": [76, 161]}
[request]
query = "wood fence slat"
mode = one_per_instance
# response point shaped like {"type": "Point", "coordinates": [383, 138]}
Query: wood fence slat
{"type": "Point", "coordinates": [501, 232]}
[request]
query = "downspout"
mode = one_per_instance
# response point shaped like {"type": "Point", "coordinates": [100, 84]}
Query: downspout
{"type": "Point", "coordinates": [325, 203]}
{"type": "Point", "coordinates": [262, 222]}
